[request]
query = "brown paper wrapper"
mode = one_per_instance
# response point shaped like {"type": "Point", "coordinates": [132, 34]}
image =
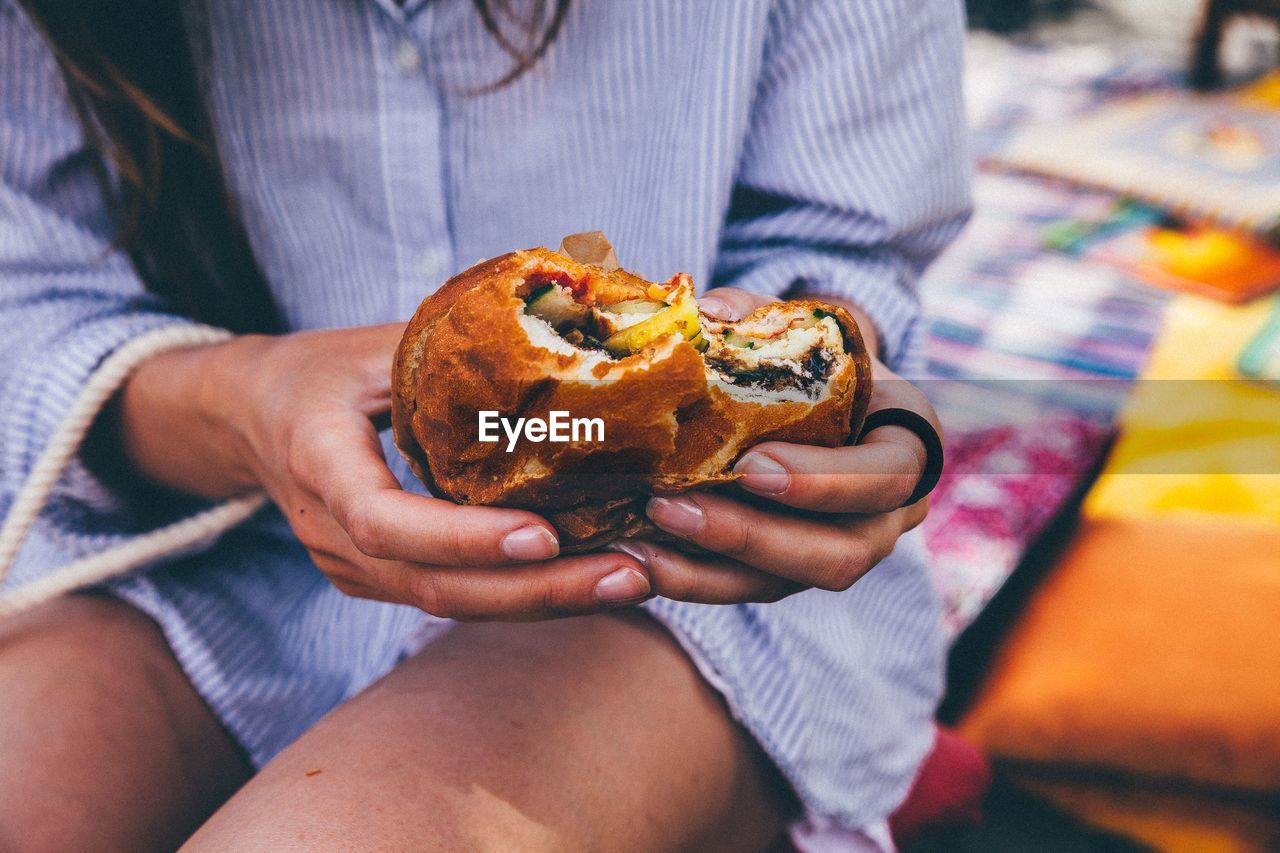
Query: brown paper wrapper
{"type": "Point", "coordinates": [590, 247]}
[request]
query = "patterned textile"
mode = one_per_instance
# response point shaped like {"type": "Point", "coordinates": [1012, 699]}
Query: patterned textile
{"type": "Point", "coordinates": [1030, 352]}
{"type": "Point", "coordinates": [1030, 355]}
{"type": "Point", "coordinates": [1002, 487]}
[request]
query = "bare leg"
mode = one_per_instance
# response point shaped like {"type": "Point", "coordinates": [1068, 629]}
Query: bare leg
{"type": "Point", "coordinates": [104, 745]}
{"type": "Point", "coordinates": [593, 733]}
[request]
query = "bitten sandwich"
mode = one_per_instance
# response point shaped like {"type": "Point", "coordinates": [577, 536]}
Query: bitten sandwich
{"type": "Point", "coordinates": [679, 396]}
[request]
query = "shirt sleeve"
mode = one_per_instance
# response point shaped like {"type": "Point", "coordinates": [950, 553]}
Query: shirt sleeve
{"type": "Point", "coordinates": [68, 299]}
{"type": "Point", "coordinates": [855, 170]}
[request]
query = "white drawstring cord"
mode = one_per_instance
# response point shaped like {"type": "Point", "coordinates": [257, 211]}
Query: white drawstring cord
{"type": "Point", "coordinates": [142, 550]}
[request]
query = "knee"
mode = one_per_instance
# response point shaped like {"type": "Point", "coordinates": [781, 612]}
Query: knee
{"type": "Point", "coordinates": [444, 818]}
{"type": "Point", "coordinates": [80, 618]}
{"type": "Point", "coordinates": [483, 821]}
{"type": "Point", "coordinates": [100, 639]}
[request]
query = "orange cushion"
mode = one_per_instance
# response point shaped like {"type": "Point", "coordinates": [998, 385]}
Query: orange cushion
{"type": "Point", "coordinates": [1171, 821]}
{"type": "Point", "coordinates": [1152, 647]}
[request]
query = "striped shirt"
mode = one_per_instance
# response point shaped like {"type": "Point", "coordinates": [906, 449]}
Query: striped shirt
{"type": "Point", "coordinates": [784, 146]}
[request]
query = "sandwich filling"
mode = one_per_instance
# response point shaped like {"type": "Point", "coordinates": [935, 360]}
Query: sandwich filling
{"type": "Point", "coordinates": [789, 352]}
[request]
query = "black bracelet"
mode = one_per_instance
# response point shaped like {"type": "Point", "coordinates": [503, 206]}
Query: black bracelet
{"type": "Point", "coordinates": [924, 431]}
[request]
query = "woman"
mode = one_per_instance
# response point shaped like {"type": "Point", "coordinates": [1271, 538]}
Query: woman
{"type": "Point", "coordinates": [369, 150]}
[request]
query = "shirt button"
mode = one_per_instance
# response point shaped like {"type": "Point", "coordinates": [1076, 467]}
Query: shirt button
{"type": "Point", "coordinates": [408, 58]}
{"type": "Point", "coordinates": [431, 264]}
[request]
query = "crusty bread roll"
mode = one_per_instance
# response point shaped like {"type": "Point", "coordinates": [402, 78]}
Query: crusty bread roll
{"type": "Point", "coordinates": [681, 396]}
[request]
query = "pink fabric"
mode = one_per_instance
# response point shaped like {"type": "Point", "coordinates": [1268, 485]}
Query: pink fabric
{"type": "Point", "coordinates": [947, 791]}
{"type": "Point", "coordinates": [1000, 488]}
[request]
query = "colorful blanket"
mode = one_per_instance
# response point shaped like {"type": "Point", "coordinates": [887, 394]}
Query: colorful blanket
{"type": "Point", "coordinates": [1031, 351]}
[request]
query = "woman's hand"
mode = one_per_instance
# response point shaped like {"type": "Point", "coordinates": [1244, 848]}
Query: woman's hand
{"type": "Point", "coordinates": [810, 516]}
{"type": "Point", "coordinates": [292, 415]}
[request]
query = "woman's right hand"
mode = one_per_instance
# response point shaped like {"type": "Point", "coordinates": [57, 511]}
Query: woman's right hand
{"type": "Point", "coordinates": [292, 415]}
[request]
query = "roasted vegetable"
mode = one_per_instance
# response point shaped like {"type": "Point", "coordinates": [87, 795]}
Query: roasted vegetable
{"type": "Point", "coordinates": [680, 318]}
{"type": "Point", "coordinates": [733, 339]}
{"type": "Point", "coordinates": [636, 306]}
{"type": "Point", "coordinates": [557, 306]}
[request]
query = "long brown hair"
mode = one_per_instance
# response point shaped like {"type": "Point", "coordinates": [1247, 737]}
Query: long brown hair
{"type": "Point", "coordinates": [132, 81]}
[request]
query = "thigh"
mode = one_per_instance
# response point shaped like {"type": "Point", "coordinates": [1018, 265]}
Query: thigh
{"type": "Point", "coordinates": [103, 743]}
{"type": "Point", "coordinates": [594, 733]}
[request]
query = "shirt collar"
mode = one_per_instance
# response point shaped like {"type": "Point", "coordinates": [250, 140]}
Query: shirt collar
{"type": "Point", "coordinates": [401, 12]}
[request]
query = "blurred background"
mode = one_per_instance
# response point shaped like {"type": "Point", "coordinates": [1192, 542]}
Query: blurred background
{"type": "Point", "coordinates": [1104, 351]}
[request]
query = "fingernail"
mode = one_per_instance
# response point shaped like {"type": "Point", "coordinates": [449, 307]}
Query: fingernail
{"type": "Point", "coordinates": [534, 542]}
{"type": "Point", "coordinates": [633, 550]}
{"type": "Point", "coordinates": [624, 586]}
{"type": "Point", "coordinates": [762, 474]}
{"type": "Point", "coordinates": [680, 516]}
{"type": "Point", "coordinates": [713, 306]}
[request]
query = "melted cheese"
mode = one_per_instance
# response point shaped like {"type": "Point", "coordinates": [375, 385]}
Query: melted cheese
{"type": "Point", "coordinates": [789, 349]}
{"type": "Point", "coordinates": [542, 335]}
{"type": "Point", "coordinates": [778, 347]}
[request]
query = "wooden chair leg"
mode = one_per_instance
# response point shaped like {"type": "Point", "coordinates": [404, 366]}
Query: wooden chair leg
{"type": "Point", "coordinates": [1205, 71]}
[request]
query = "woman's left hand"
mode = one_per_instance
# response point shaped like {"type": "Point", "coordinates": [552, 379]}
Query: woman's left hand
{"type": "Point", "coordinates": [806, 516]}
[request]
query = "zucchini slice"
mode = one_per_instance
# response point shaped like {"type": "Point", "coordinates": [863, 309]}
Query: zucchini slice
{"type": "Point", "coordinates": [557, 306]}
{"type": "Point", "coordinates": [636, 306]}
{"type": "Point", "coordinates": [680, 318]}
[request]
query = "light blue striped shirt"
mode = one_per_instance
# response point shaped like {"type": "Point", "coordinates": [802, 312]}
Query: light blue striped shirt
{"type": "Point", "coordinates": [794, 146]}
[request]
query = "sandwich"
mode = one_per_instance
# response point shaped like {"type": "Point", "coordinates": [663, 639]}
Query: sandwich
{"type": "Point", "coordinates": [669, 398]}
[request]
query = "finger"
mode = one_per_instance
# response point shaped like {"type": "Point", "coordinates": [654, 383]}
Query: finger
{"type": "Point", "coordinates": [343, 465]}
{"type": "Point", "coordinates": [350, 579]}
{"type": "Point", "coordinates": [730, 303]}
{"type": "Point", "coordinates": [823, 553]}
{"type": "Point", "coordinates": [705, 580]}
{"type": "Point", "coordinates": [876, 476]}
{"type": "Point", "coordinates": [571, 586]}
{"type": "Point", "coordinates": [891, 390]}
{"type": "Point", "coordinates": [914, 515]}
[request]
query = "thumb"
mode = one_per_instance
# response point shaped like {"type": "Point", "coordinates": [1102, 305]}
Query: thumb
{"type": "Point", "coordinates": [730, 303]}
